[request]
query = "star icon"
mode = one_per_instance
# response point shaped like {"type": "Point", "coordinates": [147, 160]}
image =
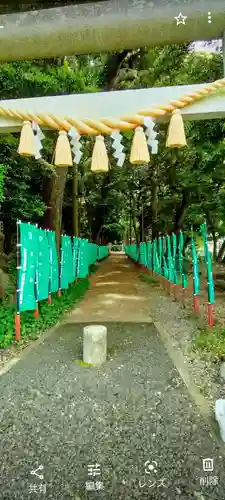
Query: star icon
{"type": "Point", "coordinates": [180, 19]}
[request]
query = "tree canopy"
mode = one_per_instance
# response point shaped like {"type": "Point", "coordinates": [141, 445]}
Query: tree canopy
{"type": "Point", "coordinates": [178, 189]}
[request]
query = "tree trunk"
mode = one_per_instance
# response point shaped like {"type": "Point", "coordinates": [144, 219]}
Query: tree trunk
{"type": "Point", "coordinates": [8, 233]}
{"type": "Point", "coordinates": [134, 221]}
{"type": "Point", "coordinates": [221, 252]}
{"type": "Point", "coordinates": [180, 213]}
{"type": "Point", "coordinates": [154, 204]}
{"type": "Point", "coordinates": [214, 246]}
{"type": "Point", "coordinates": [142, 224]}
{"type": "Point", "coordinates": [130, 221]}
{"type": "Point", "coordinates": [53, 216]}
{"type": "Point", "coordinates": [98, 238]}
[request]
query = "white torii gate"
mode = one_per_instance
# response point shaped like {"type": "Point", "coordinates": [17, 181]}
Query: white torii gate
{"type": "Point", "coordinates": [110, 25]}
{"type": "Point", "coordinates": [114, 104]}
{"type": "Point", "coordinates": [36, 34]}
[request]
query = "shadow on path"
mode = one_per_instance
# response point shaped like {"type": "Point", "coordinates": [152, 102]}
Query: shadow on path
{"type": "Point", "coordinates": [133, 409]}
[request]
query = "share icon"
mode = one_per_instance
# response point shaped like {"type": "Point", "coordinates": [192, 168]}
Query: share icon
{"type": "Point", "coordinates": [35, 472]}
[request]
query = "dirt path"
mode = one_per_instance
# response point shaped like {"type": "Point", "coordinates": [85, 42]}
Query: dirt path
{"type": "Point", "coordinates": [133, 416]}
{"type": "Point", "coordinates": [114, 295]}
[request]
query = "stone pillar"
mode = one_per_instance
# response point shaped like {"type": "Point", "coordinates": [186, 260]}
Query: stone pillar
{"type": "Point", "coordinates": [94, 344]}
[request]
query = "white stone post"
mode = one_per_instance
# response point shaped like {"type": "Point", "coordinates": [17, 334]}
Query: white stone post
{"type": "Point", "coordinates": [94, 344]}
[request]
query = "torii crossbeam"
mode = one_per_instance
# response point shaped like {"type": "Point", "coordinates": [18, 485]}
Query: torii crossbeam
{"type": "Point", "coordinates": [111, 25]}
{"type": "Point", "coordinates": [95, 106]}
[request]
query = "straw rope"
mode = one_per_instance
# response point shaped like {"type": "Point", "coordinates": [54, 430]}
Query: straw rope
{"type": "Point", "coordinates": [108, 125]}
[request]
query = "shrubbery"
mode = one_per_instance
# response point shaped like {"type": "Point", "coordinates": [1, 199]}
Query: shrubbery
{"type": "Point", "coordinates": [49, 315]}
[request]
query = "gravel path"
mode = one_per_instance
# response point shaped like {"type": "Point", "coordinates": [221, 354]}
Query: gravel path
{"type": "Point", "coordinates": [181, 330]}
{"type": "Point", "coordinates": [136, 408]}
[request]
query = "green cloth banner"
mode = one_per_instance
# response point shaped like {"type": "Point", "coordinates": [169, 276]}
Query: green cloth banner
{"type": "Point", "coordinates": [155, 257]}
{"type": "Point", "coordinates": [149, 255]}
{"type": "Point", "coordinates": [165, 268]}
{"type": "Point", "coordinates": [38, 273]}
{"type": "Point", "coordinates": [164, 263]}
{"type": "Point", "coordinates": [43, 267]}
{"type": "Point", "coordinates": [92, 252]}
{"type": "Point", "coordinates": [208, 261]}
{"type": "Point", "coordinates": [83, 260]}
{"type": "Point", "coordinates": [102, 252]}
{"type": "Point", "coordinates": [169, 260]}
{"type": "Point", "coordinates": [183, 276]}
{"type": "Point", "coordinates": [76, 246]}
{"type": "Point", "coordinates": [66, 262]}
{"type": "Point", "coordinates": [53, 263]}
{"type": "Point", "coordinates": [174, 241]}
{"type": "Point", "coordinates": [196, 281]}
{"type": "Point", "coordinates": [27, 271]}
{"type": "Point", "coordinates": [160, 254]}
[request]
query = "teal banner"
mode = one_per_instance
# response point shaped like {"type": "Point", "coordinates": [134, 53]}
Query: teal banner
{"type": "Point", "coordinates": [70, 260]}
{"type": "Point", "coordinates": [53, 263]}
{"type": "Point", "coordinates": [208, 261]}
{"type": "Point", "coordinates": [66, 275]}
{"type": "Point", "coordinates": [149, 255]}
{"type": "Point", "coordinates": [27, 271]}
{"type": "Point", "coordinates": [92, 251]}
{"type": "Point", "coordinates": [160, 254]}
{"type": "Point", "coordinates": [38, 272]}
{"type": "Point", "coordinates": [43, 267]}
{"type": "Point", "coordinates": [183, 275]}
{"type": "Point", "coordinates": [169, 260]}
{"type": "Point", "coordinates": [76, 246]}
{"type": "Point", "coordinates": [196, 280]}
{"type": "Point", "coordinates": [102, 252]}
{"type": "Point", "coordinates": [83, 259]}
{"type": "Point", "coordinates": [175, 274]}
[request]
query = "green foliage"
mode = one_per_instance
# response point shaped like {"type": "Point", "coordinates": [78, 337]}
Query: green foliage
{"type": "Point", "coordinates": [82, 363]}
{"type": "Point", "coordinates": [147, 278]}
{"type": "Point", "coordinates": [49, 314]}
{"type": "Point", "coordinates": [3, 171]}
{"type": "Point", "coordinates": [179, 189]}
{"type": "Point", "coordinates": [210, 342]}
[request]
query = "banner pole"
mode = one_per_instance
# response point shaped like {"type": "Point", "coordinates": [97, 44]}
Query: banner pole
{"type": "Point", "coordinates": [17, 316]}
{"type": "Point", "coordinates": [36, 312]}
{"type": "Point", "coordinates": [211, 297]}
{"type": "Point", "coordinates": [60, 269]}
{"type": "Point", "coordinates": [50, 270]}
{"type": "Point", "coordinates": [195, 274]}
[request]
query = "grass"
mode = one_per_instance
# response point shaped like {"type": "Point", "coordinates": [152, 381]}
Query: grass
{"type": "Point", "coordinates": [147, 278]}
{"type": "Point", "coordinates": [82, 363]}
{"type": "Point", "coordinates": [49, 315]}
{"type": "Point", "coordinates": [210, 342]}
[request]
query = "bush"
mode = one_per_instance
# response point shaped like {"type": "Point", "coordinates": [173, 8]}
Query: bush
{"type": "Point", "coordinates": [211, 342]}
{"type": "Point", "coordinates": [49, 315]}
